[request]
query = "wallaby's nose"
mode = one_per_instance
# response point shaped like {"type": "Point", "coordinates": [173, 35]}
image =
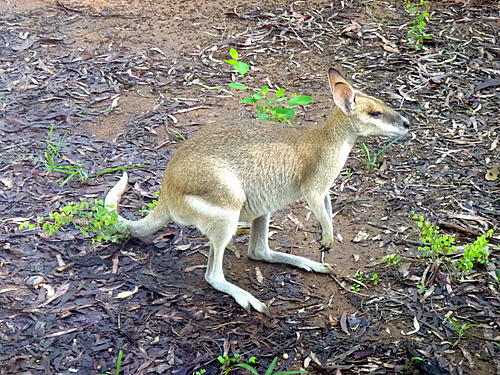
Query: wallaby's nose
{"type": "Point", "coordinates": [406, 123]}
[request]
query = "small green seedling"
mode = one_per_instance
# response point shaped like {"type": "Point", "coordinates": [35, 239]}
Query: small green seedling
{"type": "Point", "coordinates": [363, 278]}
{"type": "Point", "coordinates": [421, 289]}
{"type": "Point", "coordinates": [241, 67]}
{"type": "Point", "coordinates": [236, 361]}
{"type": "Point", "coordinates": [52, 161]}
{"type": "Point", "coordinates": [372, 160]}
{"type": "Point", "coordinates": [91, 218]}
{"type": "Point", "coordinates": [279, 113]}
{"type": "Point", "coordinates": [460, 329]}
{"type": "Point", "coordinates": [435, 243]}
{"type": "Point", "coordinates": [118, 364]}
{"type": "Point", "coordinates": [149, 206]}
{"type": "Point", "coordinates": [418, 22]}
{"type": "Point", "coordinates": [476, 252]}
{"type": "Point", "coordinates": [392, 259]}
{"type": "Point", "coordinates": [278, 108]}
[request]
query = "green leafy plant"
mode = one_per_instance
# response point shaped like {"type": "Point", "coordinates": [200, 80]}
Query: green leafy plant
{"type": "Point", "coordinates": [421, 289]}
{"type": "Point", "coordinates": [476, 252]}
{"type": "Point", "coordinates": [236, 361]}
{"type": "Point", "coordinates": [278, 108]}
{"type": "Point", "coordinates": [437, 245]}
{"type": "Point", "coordinates": [460, 329]}
{"type": "Point", "coordinates": [392, 259]}
{"type": "Point", "coordinates": [418, 22]}
{"type": "Point", "coordinates": [241, 67]}
{"type": "Point", "coordinates": [52, 161]}
{"type": "Point", "coordinates": [372, 159]}
{"type": "Point", "coordinates": [363, 278]}
{"type": "Point", "coordinates": [91, 218]}
{"type": "Point", "coordinates": [149, 206]}
{"type": "Point", "coordinates": [118, 364]}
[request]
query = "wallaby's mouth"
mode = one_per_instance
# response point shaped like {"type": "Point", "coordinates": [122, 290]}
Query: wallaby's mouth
{"type": "Point", "coordinates": [402, 128]}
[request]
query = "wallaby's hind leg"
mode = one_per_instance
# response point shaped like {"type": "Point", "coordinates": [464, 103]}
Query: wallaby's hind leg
{"type": "Point", "coordinates": [219, 227]}
{"type": "Point", "coordinates": [322, 209]}
{"type": "Point", "coordinates": [258, 249]}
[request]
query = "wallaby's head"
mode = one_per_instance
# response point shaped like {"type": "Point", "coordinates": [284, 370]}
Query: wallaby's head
{"type": "Point", "coordinates": [368, 115]}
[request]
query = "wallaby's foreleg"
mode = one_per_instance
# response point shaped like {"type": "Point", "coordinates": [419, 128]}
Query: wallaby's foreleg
{"type": "Point", "coordinates": [322, 209]}
{"type": "Point", "coordinates": [220, 235]}
{"type": "Point", "coordinates": [328, 205]}
{"type": "Point", "coordinates": [258, 249]}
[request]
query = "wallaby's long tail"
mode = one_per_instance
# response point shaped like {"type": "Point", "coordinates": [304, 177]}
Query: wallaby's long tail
{"type": "Point", "coordinates": [116, 192]}
{"type": "Point", "coordinates": [154, 221]}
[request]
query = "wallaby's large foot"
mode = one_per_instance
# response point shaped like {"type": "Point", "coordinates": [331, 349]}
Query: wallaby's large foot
{"type": "Point", "coordinates": [241, 296]}
{"type": "Point", "coordinates": [268, 255]}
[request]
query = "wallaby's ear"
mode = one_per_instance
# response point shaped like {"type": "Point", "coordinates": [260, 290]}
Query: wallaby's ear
{"type": "Point", "coordinates": [343, 93]}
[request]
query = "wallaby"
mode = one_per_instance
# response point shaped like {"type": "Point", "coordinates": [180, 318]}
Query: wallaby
{"type": "Point", "coordinates": [247, 169]}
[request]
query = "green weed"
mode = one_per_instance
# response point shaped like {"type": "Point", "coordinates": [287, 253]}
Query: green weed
{"type": "Point", "coordinates": [436, 245]}
{"type": "Point", "coordinates": [149, 206]}
{"type": "Point", "coordinates": [52, 161]}
{"type": "Point", "coordinates": [241, 67]}
{"type": "Point", "coordinates": [277, 108]}
{"type": "Point", "coordinates": [363, 278]}
{"type": "Point", "coordinates": [392, 259]}
{"type": "Point", "coordinates": [118, 364]}
{"type": "Point", "coordinates": [236, 362]}
{"type": "Point", "coordinates": [460, 329]}
{"type": "Point", "coordinates": [91, 218]}
{"type": "Point", "coordinates": [420, 16]}
{"type": "Point", "coordinates": [476, 252]}
{"type": "Point", "coordinates": [372, 160]}
{"type": "Point", "coordinates": [421, 288]}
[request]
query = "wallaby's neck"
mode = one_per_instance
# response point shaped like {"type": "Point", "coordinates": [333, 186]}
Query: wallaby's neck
{"type": "Point", "coordinates": [336, 131]}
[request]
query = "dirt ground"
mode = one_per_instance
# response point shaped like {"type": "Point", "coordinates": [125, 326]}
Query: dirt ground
{"type": "Point", "coordinates": [123, 82]}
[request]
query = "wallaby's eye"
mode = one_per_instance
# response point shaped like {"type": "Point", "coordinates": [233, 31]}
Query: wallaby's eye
{"type": "Point", "coordinates": [375, 114]}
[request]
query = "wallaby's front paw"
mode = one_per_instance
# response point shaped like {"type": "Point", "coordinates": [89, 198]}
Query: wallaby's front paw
{"type": "Point", "coordinates": [327, 242]}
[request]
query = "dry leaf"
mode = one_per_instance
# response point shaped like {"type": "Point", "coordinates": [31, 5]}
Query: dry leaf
{"type": "Point", "coordinates": [7, 182]}
{"type": "Point", "coordinates": [343, 323]}
{"type": "Point", "coordinates": [242, 231]}
{"type": "Point", "coordinates": [354, 26]}
{"type": "Point", "coordinates": [192, 268]}
{"type": "Point", "coordinates": [339, 237]}
{"type": "Point", "coordinates": [258, 275]}
{"type": "Point", "coordinates": [58, 293]}
{"type": "Point", "coordinates": [361, 236]}
{"type": "Point", "coordinates": [388, 48]}
{"type": "Point", "coordinates": [494, 144]}
{"type": "Point", "coordinates": [492, 174]}
{"type": "Point", "coordinates": [295, 220]}
{"type": "Point", "coordinates": [114, 103]}
{"type": "Point", "coordinates": [416, 325]}
{"type": "Point", "coordinates": [127, 293]}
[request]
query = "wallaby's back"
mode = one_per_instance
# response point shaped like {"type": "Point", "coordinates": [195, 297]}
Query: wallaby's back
{"type": "Point", "coordinates": [264, 161]}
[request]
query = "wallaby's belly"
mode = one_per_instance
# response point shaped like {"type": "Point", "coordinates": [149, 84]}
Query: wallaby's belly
{"type": "Point", "coordinates": [262, 200]}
